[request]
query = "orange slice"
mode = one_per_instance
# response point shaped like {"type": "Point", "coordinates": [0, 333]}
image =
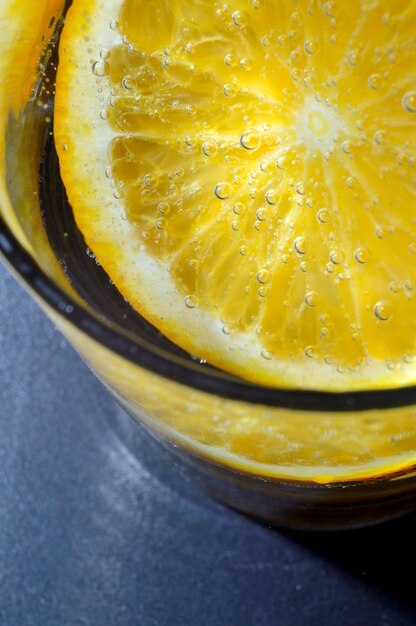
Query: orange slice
{"type": "Point", "coordinates": [245, 174]}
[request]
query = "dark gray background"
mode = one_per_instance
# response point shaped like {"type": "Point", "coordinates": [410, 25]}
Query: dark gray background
{"type": "Point", "coordinates": [91, 534]}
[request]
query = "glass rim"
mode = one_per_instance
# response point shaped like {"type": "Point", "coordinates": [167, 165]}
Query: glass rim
{"type": "Point", "coordinates": [191, 374]}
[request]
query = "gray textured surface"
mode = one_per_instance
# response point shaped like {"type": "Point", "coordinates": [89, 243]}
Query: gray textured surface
{"type": "Point", "coordinates": [90, 534]}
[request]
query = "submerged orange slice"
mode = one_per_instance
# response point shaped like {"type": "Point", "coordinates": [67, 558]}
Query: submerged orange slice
{"type": "Point", "coordinates": [246, 175]}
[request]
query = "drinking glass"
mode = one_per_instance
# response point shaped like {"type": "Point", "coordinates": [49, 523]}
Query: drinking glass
{"type": "Point", "coordinates": [300, 458]}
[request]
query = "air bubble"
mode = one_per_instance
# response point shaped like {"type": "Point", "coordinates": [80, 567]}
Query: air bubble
{"type": "Point", "coordinates": [223, 190]}
{"type": "Point", "coordinates": [401, 159]}
{"type": "Point", "coordinates": [375, 81]}
{"type": "Point", "coordinates": [244, 250]}
{"type": "Point", "coordinates": [266, 355]}
{"type": "Point", "coordinates": [101, 68]}
{"type": "Point", "coordinates": [296, 74]}
{"type": "Point", "coordinates": [412, 248]}
{"type": "Point", "coordinates": [230, 60]}
{"type": "Point", "coordinates": [336, 257]}
{"type": "Point", "coordinates": [409, 101]}
{"type": "Point", "coordinates": [262, 214]}
{"type": "Point", "coordinates": [230, 90]}
{"type": "Point", "coordinates": [300, 189]}
{"type": "Point", "coordinates": [380, 137]}
{"type": "Point", "coordinates": [164, 208]}
{"type": "Point", "coordinates": [150, 180]}
{"type": "Point", "coordinates": [311, 298]}
{"type": "Point", "coordinates": [240, 18]}
{"type": "Point", "coordinates": [194, 264]}
{"type": "Point", "coordinates": [324, 216]}
{"type": "Point", "coordinates": [346, 147]}
{"type": "Point", "coordinates": [300, 245]}
{"type": "Point", "coordinates": [239, 208]}
{"type": "Point", "coordinates": [250, 140]}
{"type": "Point", "coordinates": [311, 352]}
{"type": "Point", "coordinates": [282, 163]}
{"type": "Point", "coordinates": [127, 82]}
{"type": "Point", "coordinates": [191, 302]}
{"type": "Point", "coordinates": [161, 223]}
{"type": "Point", "coordinates": [263, 277]}
{"type": "Point", "coordinates": [392, 365]}
{"type": "Point", "coordinates": [312, 46]}
{"type": "Point", "coordinates": [271, 196]}
{"type": "Point", "coordinates": [351, 182]}
{"type": "Point", "coordinates": [353, 58]}
{"type": "Point", "coordinates": [382, 232]}
{"type": "Point", "coordinates": [395, 287]}
{"type": "Point", "coordinates": [257, 4]}
{"type": "Point", "coordinates": [329, 9]}
{"type": "Point", "coordinates": [246, 64]}
{"type": "Point", "coordinates": [362, 255]}
{"type": "Point", "coordinates": [383, 310]}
